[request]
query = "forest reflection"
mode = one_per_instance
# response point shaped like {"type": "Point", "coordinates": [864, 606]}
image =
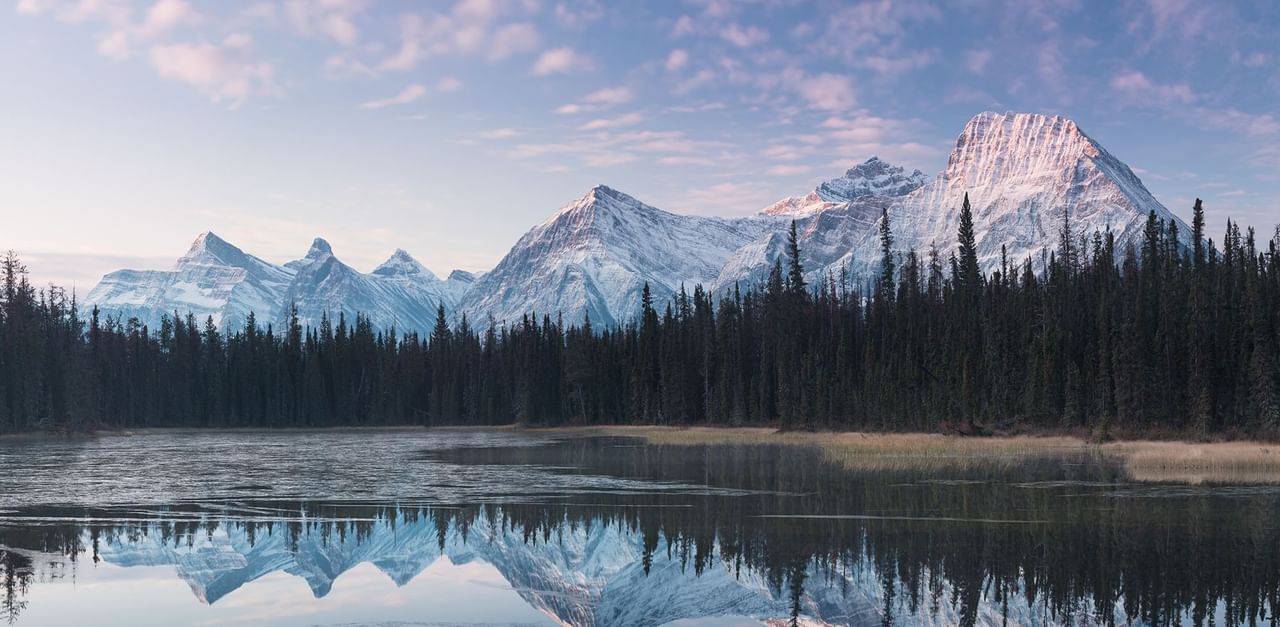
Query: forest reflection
{"type": "Point", "coordinates": [1055, 541]}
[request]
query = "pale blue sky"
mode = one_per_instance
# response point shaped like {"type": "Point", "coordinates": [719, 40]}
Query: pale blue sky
{"type": "Point", "coordinates": [449, 128]}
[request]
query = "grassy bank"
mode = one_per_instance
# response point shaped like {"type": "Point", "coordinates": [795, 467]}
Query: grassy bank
{"type": "Point", "coordinates": [1153, 461]}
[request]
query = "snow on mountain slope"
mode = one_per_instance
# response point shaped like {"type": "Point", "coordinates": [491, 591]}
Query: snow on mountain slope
{"type": "Point", "coordinates": [213, 279]}
{"type": "Point", "coordinates": [459, 283]}
{"type": "Point", "coordinates": [1020, 170]}
{"type": "Point", "coordinates": [830, 220]}
{"type": "Point", "coordinates": [217, 279]}
{"type": "Point", "coordinates": [873, 177]}
{"type": "Point", "coordinates": [400, 293]}
{"type": "Point", "coordinates": [798, 206]}
{"type": "Point", "coordinates": [595, 254]}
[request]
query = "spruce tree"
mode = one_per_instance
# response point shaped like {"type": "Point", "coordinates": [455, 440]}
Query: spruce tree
{"type": "Point", "coordinates": [1197, 236]}
{"type": "Point", "coordinates": [968, 274]}
{"type": "Point", "coordinates": [795, 270]}
{"type": "Point", "coordinates": [887, 270]}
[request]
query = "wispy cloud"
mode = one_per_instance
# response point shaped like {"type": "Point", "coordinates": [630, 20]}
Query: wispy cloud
{"type": "Point", "coordinates": [788, 170]}
{"type": "Point", "coordinates": [744, 36]}
{"type": "Point", "coordinates": [626, 119]}
{"type": "Point", "coordinates": [976, 60]}
{"type": "Point", "coordinates": [225, 72]}
{"type": "Point", "coordinates": [1136, 87]}
{"type": "Point", "coordinates": [726, 198]}
{"type": "Point", "coordinates": [609, 96]}
{"type": "Point", "coordinates": [827, 91]}
{"type": "Point", "coordinates": [334, 19]}
{"type": "Point", "coordinates": [602, 147]}
{"type": "Point", "coordinates": [577, 14]}
{"type": "Point", "coordinates": [500, 133]}
{"type": "Point", "coordinates": [470, 28]}
{"type": "Point", "coordinates": [409, 94]}
{"type": "Point", "coordinates": [598, 100]}
{"type": "Point", "coordinates": [513, 39]}
{"type": "Point", "coordinates": [562, 60]}
{"type": "Point", "coordinates": [676, 60]}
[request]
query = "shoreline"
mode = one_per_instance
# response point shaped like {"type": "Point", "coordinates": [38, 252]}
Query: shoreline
{"type": "Point", "coordinates": [1146, 460]}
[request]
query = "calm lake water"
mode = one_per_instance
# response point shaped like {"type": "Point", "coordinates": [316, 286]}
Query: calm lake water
{"type": "Point", "coordinates": [420, 527]}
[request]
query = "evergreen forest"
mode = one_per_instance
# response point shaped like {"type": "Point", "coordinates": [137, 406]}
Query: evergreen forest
{"type": "Point", "coordinates": [1178, 335]}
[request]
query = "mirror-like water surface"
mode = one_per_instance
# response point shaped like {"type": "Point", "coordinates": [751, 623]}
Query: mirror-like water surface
{"type": "Point", "coordinates": [513, 528]}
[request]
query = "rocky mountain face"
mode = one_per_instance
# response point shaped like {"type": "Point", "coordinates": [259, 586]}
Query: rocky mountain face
{"type": "Point", "coordinates": [214, 279]}
{"type": "Point", "coordinates": [1022, 172]}
{"type": "Point", "coordinates": [592, 257]}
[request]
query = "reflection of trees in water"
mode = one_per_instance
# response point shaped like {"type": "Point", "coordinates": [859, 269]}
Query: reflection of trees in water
{"type": "Point", "coordinates": [1069, 541]}
{"type": "Point", "coordinates": [15, 578]}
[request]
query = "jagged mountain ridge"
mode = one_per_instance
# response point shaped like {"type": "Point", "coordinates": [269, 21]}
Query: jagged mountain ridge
{"type": "Point", "coordinates": [217, 280]}
{"type": "Point", "coordinates": [871, 178]}
{"type": "Point", "coordinates": [592, 257]}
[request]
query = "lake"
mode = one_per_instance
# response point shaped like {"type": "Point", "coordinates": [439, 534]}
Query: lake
{"type": "Point", "coordinates": [509, 527]}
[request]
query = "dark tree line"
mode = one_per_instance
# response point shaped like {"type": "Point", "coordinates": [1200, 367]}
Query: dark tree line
{"type": "Point", "coordinates": [1170, 336]}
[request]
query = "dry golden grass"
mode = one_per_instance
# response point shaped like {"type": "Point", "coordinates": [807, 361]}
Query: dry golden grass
{"type": "Point", "coordinates": [1147, 461]}
{"type": "Point", "coordinates": [1191, 462]}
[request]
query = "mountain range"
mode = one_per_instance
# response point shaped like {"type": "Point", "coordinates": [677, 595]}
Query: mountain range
{"type": "Point", "coordinates": [1022, 172]}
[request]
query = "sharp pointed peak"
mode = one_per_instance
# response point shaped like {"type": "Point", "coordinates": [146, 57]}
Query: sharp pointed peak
{"type": "Point", "coordinates": [209, 246]}
{"type": "Point", "coordinates": [208, 237]}
{"type": "Point", "coordinates": [601, 198]}
{"type": "Point", "coordinates": [401, 263]}
{"type": "Point", "coordinates": [604, 192]}
{"type": "Point", "coordinates": [320, 246]}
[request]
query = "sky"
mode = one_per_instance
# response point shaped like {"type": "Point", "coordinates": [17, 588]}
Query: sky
{"type": "Point", "coordinates": [449, 128]}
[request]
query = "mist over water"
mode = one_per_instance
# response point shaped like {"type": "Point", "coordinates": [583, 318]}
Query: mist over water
{"type": "Point", "coordinates": [510, 527]}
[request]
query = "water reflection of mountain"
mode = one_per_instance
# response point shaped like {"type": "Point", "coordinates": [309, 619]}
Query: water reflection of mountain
{"type": "Point", "coordinates": [1052, 544]}
{"type": "Point", "coordinates": [648, 566]}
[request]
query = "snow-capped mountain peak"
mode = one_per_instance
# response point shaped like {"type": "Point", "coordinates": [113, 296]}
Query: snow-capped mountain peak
{"type": "Point", "coordinates": [205, 241]}
{"type": "Point", "coordinates": [1021, 171]}
{"type": "Point", "coordinates": [599, 200]}
{"type": "Point", "coordinates": [320, 249]}
{"type": "Point", "coordinates": [594, 256]}
{"type": "Point", "coordinates": [213, 279]}
{"type": "Point", "coordinates": [209, 248]}
{"type": "Point", "coordinates": [401, 263]}
{"type": "Point", "coordinates": [873, 177]}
